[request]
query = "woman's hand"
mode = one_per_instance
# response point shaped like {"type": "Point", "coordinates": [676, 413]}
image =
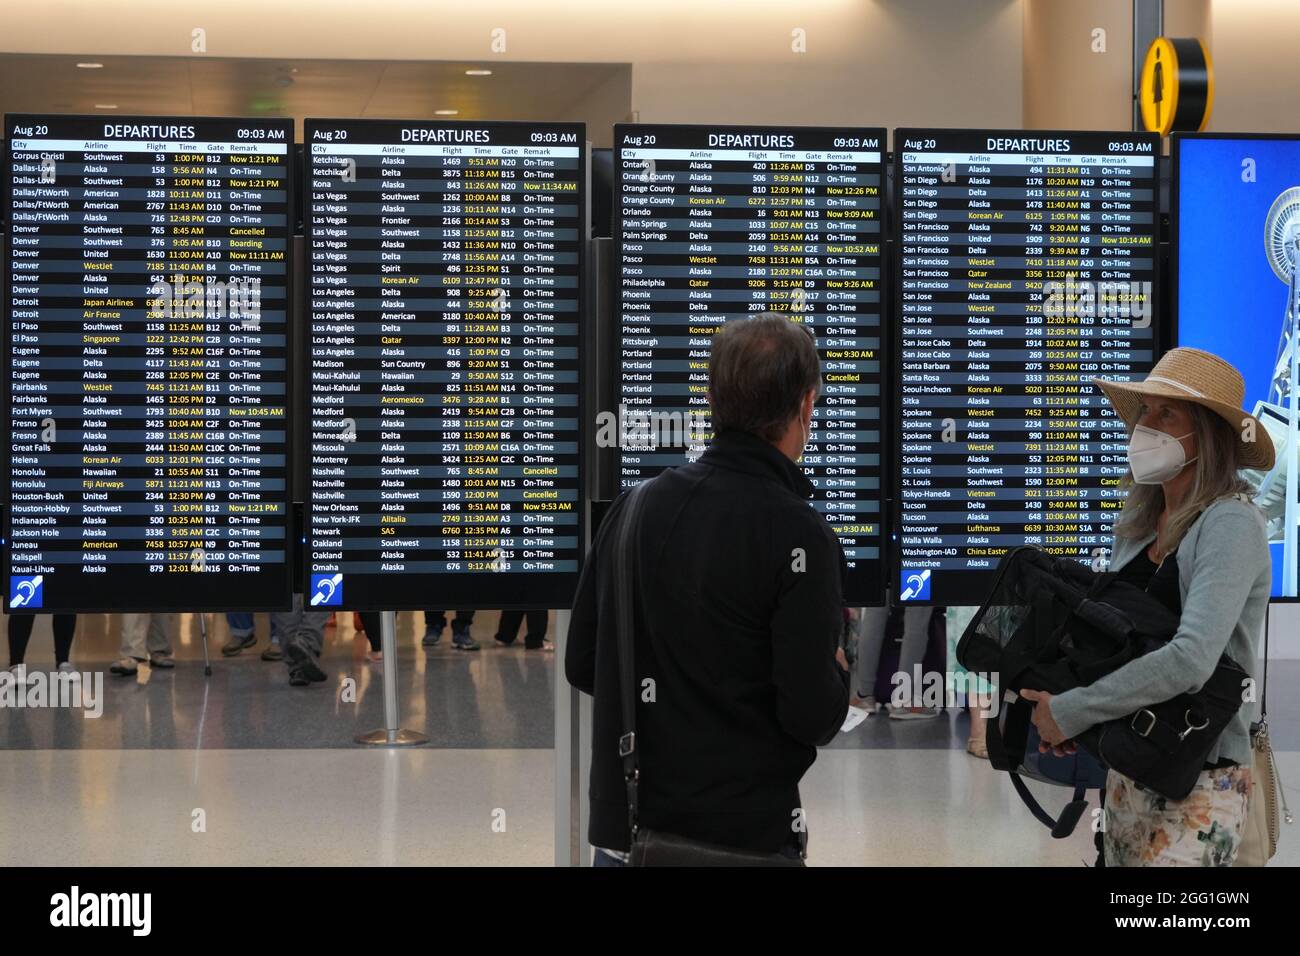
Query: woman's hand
{"type": "Point", "coordinates": [1050, 736]}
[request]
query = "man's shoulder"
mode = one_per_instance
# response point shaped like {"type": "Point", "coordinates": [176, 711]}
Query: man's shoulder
{"type": "Point", "coordinates": [746, 497]}
{"type": "Point", "coordinates": [796, 517]}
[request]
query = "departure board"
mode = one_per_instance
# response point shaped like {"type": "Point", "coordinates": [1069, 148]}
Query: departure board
{"type": "Point", "coordinates": [716, 223]}
{"type": "Point", "coordinates": [145, 363]}
{"type": "Point", "coordinates": [1026, 266]}
{"type": "Point", "coordinates": [445, 302]}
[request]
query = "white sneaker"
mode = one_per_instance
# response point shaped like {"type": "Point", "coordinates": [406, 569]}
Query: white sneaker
{"type": "Point", "coordinates": [17, 674]}
{"type": "Point", "coordinates": [73, 674]}
{"type": "Point", "coordinates": [913, 713]}
{"type": "Point", "coordinates": [869, 704]}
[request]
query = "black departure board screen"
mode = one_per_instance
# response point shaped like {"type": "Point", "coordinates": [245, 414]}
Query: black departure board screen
{"type": "Point", "coordinates": [1026, 266]}
{"type": "Point", "coordinates": [145, 363]}
{"type": "Point", "coordinates": [723, 223]}
{"type": "Point", "coordinates": [445, 302]}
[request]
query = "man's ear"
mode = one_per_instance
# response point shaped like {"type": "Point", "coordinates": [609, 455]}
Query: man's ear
{"type": "Point", "coordinates": [809, 401]}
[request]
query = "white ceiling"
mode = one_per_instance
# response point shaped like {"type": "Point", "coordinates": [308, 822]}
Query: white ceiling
{"type": "Point", "coordinates": [310, 88]}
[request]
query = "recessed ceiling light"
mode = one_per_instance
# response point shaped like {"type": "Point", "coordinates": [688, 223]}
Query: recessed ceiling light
{"type": "Point", "coordinates": [105, 106]}
{"type": "Point", "coordinates": [446, 112]}
{"type": "Point", "coordinates": [478, 72]}
{"type": "Point", "coordinates": [90, 66]}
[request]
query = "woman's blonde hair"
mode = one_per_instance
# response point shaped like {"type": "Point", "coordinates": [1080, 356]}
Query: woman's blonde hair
{"type": "Point", "coordinates": [1217, 476]}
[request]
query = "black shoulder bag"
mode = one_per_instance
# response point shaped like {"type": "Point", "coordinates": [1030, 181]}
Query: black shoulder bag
{"type": "Point", "coordinates": [654, 847]}
{"type": "Point", "coordinates": [1052, 624]}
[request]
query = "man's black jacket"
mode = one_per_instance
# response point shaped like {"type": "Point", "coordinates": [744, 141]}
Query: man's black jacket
{"type": "Point", "coordinates": [738, 613]}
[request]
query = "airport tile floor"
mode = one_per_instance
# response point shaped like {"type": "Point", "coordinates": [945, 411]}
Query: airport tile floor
{"type": "Point", "coordinates": [494, 698]}
{"type": "Point", "coordinates": [273, 777]}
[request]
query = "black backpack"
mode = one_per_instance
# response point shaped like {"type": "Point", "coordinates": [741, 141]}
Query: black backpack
{"type": "Point", "coordinates": [1054, 624]}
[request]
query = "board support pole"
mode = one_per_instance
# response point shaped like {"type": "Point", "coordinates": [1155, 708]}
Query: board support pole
{"type": "Point", "coordinates": [568, 787]}
{"type": "Point", "coordinates": [1148, 24]}
{"type": "Point", "coordinates": [390, 735]}
{"type": "Point", "coordinates": [203, 636]}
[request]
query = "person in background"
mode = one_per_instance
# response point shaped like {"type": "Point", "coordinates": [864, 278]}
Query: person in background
{"type": "Point", "coordinates": [242, 636]}
{"type": "Point", "coordinates": [302, 634]}
{"type": "Point", "coordinates": [20, 633]}
{"type": "Point", "coordinates": [274, 649]}
{"type": "Point", "coordinates": [737, 620]}
{"type": "Point", "coordinates": [871, 641]}
{"type": "Point", "coordinates": [534, 639]}
{"type": "Point", "coordinates": [978, 690]}
{"type": "Point", "coordinates": [146, 638]}
{"type": "Point", "coordinates": [1191, 535]}
{"type": "Point", "coordinates": [371, 626]}
{"type": "Point", "coordinates": [435, 622]}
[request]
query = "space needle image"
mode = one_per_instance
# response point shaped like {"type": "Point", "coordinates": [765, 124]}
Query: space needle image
{"type": "Point", "coordinates": [1279, 489]}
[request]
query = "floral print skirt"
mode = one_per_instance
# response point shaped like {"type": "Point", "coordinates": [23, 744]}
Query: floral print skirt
{"type": "Point", "coordinates": [1205, 828]}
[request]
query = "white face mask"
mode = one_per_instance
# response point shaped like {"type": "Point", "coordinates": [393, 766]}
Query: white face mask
{"type": "Point", "coordinates": [1155, 457]}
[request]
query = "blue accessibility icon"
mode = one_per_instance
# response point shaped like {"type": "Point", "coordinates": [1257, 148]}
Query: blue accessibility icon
{"type": "Point", "coordinates": [26, 592]}
{"type": "Point", "coordinates": [914, 585]}
{"type": "Point", "coordinates": [327, 590]}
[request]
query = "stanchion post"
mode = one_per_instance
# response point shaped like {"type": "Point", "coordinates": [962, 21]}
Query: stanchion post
{"type": "Point", "coordinates": [566, 753]}
{"type": "Point", "coordinates": [203, 635]}
{"type": "Point", "coordinates": [390, 735]}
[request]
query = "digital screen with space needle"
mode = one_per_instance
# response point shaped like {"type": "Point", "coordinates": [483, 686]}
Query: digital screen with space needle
{"type": "Point", "coordinates": [1236, 229]}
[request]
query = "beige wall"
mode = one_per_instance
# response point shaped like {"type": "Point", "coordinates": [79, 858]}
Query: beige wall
{"type": "Point", "coordinates": [1256, 53]}
{"type": "Point", "coordinates": [1255, 46]}
{"type": "Point", "coordinates": [602, 107]}
{"type": "Point", "coordinates": [878, 62]}
{"type": "Point", "coordinates": [891, 62]}
{"type": "Point", "coordinates": [1069, 85]}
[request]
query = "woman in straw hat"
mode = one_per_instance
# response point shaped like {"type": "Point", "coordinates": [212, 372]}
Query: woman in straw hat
{"type": "Point", "coordinates": [1190, 534]}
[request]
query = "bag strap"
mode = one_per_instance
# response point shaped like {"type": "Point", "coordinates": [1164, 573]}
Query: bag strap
{"type": "Point", "coordinates": [1064, 825]}
{"type": "Point", "coordinates": [1007, 733]}
{"type": "Point", "coordinates": [1011, 737]}
{"type": "Point", "coordinates": [625, 568]}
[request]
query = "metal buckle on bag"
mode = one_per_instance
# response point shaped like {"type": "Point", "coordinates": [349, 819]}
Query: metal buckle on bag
{"type": "Point", "coordinates": [1150, 727]}
{"type": "Point", "coordinates": [1187, 718]}
{"type": "Point", "coordinates": [626, 744]}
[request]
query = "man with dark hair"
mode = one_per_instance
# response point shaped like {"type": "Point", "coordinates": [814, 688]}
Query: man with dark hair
{"type": "Point", "coordinates": [762, 373]}
{"type": "Point", "coordinates": [737, 618]}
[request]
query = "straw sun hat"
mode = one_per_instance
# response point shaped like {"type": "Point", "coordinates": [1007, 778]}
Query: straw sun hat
{"type": "Point", "coordinates": [1191, 375]}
